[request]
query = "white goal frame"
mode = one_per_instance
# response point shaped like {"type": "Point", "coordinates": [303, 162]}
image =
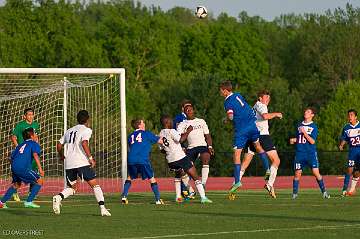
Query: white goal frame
{"type": "Point", "coordinates": [89, 71]}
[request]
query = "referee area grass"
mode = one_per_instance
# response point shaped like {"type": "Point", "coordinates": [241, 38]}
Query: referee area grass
{"type": "Point", "coordinates": [252, 215]}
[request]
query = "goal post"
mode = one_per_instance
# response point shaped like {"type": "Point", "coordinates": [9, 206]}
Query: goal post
{"type": "Point", "coordinates": [57, 94]}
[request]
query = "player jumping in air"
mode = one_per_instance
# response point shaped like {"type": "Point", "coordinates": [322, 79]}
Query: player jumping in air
{"type": "Point", "coordinates": [306, 154]}
{"type": "Point", "coordinates": [351, 135]}
{"type": "Point", "coordinates": [79, 163]}
{"type": "Point", "coordinates": [138, 161]}
{"type": "Point", "coordinates": [17, 138]}
{"type": "Point", "coordinates": [21, 168]}
{"type": "Point", "coordinates": [177, 159]}
{"type": "Point", "coordinates": [262, 118]}
{"type": "Point", "coordinates": [199, 141]}
{"type": "Point", "coordinates": [241, 114]}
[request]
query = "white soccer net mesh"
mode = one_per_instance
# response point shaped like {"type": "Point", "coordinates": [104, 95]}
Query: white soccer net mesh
{"type": "Point", "coordinates": [98, 94]}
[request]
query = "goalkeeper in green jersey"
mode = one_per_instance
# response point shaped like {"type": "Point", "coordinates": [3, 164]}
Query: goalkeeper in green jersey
{"type": "Point", "coordinates": [17, 138]}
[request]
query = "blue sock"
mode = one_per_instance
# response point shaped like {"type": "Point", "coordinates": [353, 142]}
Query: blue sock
{"type": "Point", "coordinates": [346, 181]}
{"type": "Point", "coordinates": [127, 186]}
{"type": "Point", "coordinates": [321, 185]}
{"type": "Point", "coordinates": [295, 186]}
{"type": "Point", "coordinates": [183, 187]}
{"type": "Point", "coordinates": [237, 168]}
{"type": "Point", "coordinates": [11, 190]}
{"type": "Point", "coordinates": [155, 189]}
{"type": "Point", "coordinates": [34, 191]}
{"type": "Point", "coordinates": [265, 160]}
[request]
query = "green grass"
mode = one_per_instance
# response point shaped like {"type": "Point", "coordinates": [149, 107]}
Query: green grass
{"type": "Point", "coordinates": [252, 215]}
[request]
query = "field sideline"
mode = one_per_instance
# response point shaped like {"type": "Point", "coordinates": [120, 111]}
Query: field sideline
{"type": "Point", "coordinates": [252, 215]}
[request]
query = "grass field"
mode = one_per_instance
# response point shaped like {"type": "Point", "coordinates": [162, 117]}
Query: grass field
{"type": "Point", "coordinates": [252, 215]}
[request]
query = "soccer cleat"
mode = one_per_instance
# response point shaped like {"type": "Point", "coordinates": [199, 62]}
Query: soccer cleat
{"type": "Point", "coordinates": [159, 202]}
{"type": "Point", "coordinates": [31, 205]}
{"type": "Point", "coordinates": [349, 194]}
{"type": "Point", "coordinates": [326, 195]}
{"type": "Point", "coordinates": [56, 204]}
{"type": "Point", "coordinates": [205, 200]}
{"type": "Point", "coordinates": [3, 205]}
{"type": "Point", "coordinates": [232, 196]}
{"type": "Point", "coordinates": [185, 193]}
{"type": "Point", "coordinates": [192, 195]}
{"type": "Point", "coordinates": [124, 200]}
{"type": "Point", "coordinates": [294, 196]}
{"type": "Point", "coordinates": [235, 187]}
{"type": "Point", "coordinates": [270, 190]}
{"type": "Point", "coordinates": [105, 212]}
{"type": "Point", "coordinates": [267, 175]}
{"type": "Point", "coordinates": [179, 200]}
{"type": "Point", "coordinates": [16, 197]}
{"type": "Point", "coordinates": [343, 194]}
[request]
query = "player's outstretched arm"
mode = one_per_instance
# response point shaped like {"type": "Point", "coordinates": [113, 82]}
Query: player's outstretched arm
{"type": "Point", "coordinates": [269, 116]}
{"type": "Point", "coordinates": [209, 142]}
{"type": "Point", "coordinates": [85, 145]}
{"type": "Point", "coordinates": [292, 140]}
{"type": "Point", "coordinates": [14, 140]}
{"type": "Point", "coordinates": [37, 160]}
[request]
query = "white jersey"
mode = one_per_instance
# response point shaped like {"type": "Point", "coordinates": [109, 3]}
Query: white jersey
{"type": "Point", "coordinates": [261, 123]}
{"type": "Point", "coordinates": [75, 156]}
{"type": "Point", "coordinates": [197, 135]}
{"type": "Point", "coordinates": [172, 146]}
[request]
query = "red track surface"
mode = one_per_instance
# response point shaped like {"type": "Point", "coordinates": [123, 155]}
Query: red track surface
{"type": "Point", "coordinates": [52, 186]}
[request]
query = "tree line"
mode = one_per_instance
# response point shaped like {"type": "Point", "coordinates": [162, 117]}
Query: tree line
{"type": "Point", "coordinates": [304, 60]}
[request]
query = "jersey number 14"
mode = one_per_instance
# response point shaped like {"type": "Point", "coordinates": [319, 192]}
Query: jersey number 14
{"type": "Point", "coordinates": [138, 138]}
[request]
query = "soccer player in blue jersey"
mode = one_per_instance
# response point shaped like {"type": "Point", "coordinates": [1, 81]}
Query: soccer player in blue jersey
{"type": "Point", "coordinates": [306, 153]}
{"type": "Point", "coordinates": [351, 135]}
{"type": "Point", "coordinates": [21, 168]}
{"type": "Point", "coordinates": [242, 115]}
{"type": "Point", "coordinates": [138, 161]}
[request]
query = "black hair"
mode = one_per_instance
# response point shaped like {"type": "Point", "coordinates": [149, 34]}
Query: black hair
{"type": "Point", "coordinates": [28, 110]}
{"type": "Point", "coordinates": [185, 102]}
{"type": "Point", "coordinates": [353, 111]}
{"type": "Point", "coordinates": [262, 93]}
{"type": "Point", "coordinates": [27, 133]}
{"type": "Point", "coordinates": [313, 110]}
{"type": "Point", "coordinates": [82, 116]}
{"type": "Point", "coordinates": [163, 118]}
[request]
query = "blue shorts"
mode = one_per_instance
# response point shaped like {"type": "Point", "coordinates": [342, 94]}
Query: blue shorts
{"type": "Point", "coordinates": [144, 170]}
{"type": "Point", "coordinates": [252, 135]}
{"type": "Point", "coordinates": [304, 159]}
{"type": "Point", "coordinates": [354, 157]}
{"type": "Point", "coordinates": [28, 176]}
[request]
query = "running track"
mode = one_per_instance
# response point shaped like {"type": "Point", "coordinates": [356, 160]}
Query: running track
{"type": "Point", "coordinates": [53, 185]}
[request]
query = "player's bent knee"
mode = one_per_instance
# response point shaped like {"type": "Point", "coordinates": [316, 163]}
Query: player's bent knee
{"type": "Point", "coordinates": [152, 180]}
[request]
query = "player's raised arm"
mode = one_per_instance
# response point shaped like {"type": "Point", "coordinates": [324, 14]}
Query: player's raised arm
{"type": "Point", "coordinates": [268, 116]}
{"type": "Point", "coordinates": [14, 140]}
{"type": "Point", "coordinates": [186, 134]}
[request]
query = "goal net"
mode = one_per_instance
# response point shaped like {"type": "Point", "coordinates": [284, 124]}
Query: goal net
{"type": "Point", "coordinates": [56, 95]}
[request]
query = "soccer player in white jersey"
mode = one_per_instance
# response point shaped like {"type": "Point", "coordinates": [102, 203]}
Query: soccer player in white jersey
{"type": "Point", "coordinates": [262, 118]}
{"type": "Point", "coordinates": [199, 141]}
{"type": "Point", "coordinates": [177, 159]}
{"type": "Point", "coordinates": [79, 163]}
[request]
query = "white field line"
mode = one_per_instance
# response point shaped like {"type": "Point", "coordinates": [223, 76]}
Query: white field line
{"type": "Point", "coordinates": [319, 227]}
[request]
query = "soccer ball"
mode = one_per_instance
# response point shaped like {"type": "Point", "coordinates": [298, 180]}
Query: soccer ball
{"type": "Point", "coordinates": [201, 12]}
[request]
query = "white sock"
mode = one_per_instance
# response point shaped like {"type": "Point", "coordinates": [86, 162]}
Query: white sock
{"type": "Point", "coordinates": [200, 188]}
{"type": "Point", "coordinates": [185, 179]}
{"type": "Point", "coordinates": [354, 181]}
{"type": "Point", "coordinates": [241, 174]}
{"type": "Point", "coordinates": [178, 187]}
{"type": "Point", "coordinates": [272, 177]}
{"type": "Point", "coordinates": [98, 194]}
{"type": "Point", "coordinates": [67, 192]}
{"type": "Point", "coordinates": [205, 173]}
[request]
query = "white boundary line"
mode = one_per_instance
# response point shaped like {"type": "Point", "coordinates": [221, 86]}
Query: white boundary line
{"type": "Point", "coordinates": [319, 227]}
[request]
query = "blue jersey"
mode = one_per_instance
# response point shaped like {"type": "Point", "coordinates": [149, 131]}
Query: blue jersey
{"type": "Point", "coordinates": [351, 134]}
{"type": "Point", "coordinates": [140, 143]}
{"type": "Point", "coordinates": [178, 119]}
{"type": "Point", "coordinates": [244, 116]}
{"type": "Point", "coordinates": [302, 144]}
{"type": "Point", "coordinates": [22, 156]}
